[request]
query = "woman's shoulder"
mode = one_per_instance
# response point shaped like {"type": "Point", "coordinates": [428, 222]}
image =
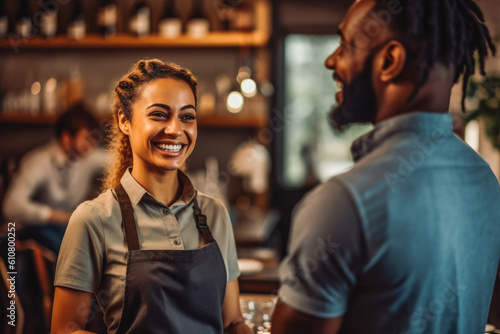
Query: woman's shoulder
{"type": "Point", "coordinates": [208, 202]}
{"type": "Point", "coordinates": [102, 207]}
{"type": "Point", "coordinates": [216, 212]}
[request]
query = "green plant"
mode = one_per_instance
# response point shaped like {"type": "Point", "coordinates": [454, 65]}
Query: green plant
{"type": "Point", "coordinates": [483, 101]}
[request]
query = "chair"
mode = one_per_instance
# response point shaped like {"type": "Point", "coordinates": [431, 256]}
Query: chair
{"type": "Point", "coordinates": [35, 267]}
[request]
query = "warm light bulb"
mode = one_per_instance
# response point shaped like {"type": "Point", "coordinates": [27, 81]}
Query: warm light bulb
{"type": "Point", "coordinates": [244, 72]}
{"type": "Point", "coordinates": [36, 87]}
{"type": "Point", "coordinates": [51, 85]}
{"type": "Point", "coordinates": [248, 88]}
{"type": "Point", "coordinates": [267, 89]}
{"type": "Point", "coordinates": [235, 102]}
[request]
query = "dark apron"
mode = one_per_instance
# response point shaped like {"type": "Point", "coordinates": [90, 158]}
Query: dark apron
{"type": "Point", "coordinates": [172, 291]}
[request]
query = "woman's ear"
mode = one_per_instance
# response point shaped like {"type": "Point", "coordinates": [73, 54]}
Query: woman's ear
{"type": "Point", "coordinates": [393, 61]}
{"type": "Point", "coordinates": [123, 123]}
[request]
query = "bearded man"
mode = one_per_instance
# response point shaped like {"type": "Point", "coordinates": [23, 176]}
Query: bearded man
{"type": "Point", "coordinates": [408, 240]}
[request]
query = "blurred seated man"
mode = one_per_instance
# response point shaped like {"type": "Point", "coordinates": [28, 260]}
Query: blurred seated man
{"type": "Point", "coordinates": [55, 178]}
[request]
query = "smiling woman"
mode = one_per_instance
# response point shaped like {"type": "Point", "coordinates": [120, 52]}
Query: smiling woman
{"type": "Point", "coordinates": [177, 83]}
{"type": "Point", "coordinates": [162, 129]}
{"type": "Point", "coordinates": [150, 236]}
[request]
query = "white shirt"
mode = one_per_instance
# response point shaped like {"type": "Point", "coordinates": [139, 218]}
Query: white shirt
{"type": "Point", "coordinates": [48, 181]}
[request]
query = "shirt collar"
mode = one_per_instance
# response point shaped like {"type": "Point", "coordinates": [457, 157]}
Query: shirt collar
{"type": "Point", "coordinates": [421, 123]}
{"type": "Point", "coordinates": [136, 192]}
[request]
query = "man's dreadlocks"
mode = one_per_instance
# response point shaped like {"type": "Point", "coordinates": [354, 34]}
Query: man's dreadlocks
{"type": "Point", "coordinates": [442, 31]}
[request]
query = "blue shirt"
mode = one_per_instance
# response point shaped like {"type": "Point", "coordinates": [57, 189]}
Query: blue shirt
{"type": "Point", "coordinates": [407, 241]}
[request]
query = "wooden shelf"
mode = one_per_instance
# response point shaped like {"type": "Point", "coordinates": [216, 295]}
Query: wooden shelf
{"type": "Point", "coordinates": [259, 37]}
{"type": "Point", "coordinates": [19, 118]}
{"type": "Point", "coordinates": [215, 121]}
{"type": "Point", "coordinates": [214, 39]}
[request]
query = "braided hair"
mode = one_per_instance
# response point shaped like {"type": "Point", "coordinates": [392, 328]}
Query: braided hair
{"type": "Point", "coordinates": [448, 32]}
{"type": "Point", "coordinates": [127, 92]}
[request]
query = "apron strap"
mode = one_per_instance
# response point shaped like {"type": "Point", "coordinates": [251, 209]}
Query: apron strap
{"type": "Point", "coordinates": [131, 229]}
{"type": "Point", "coordinates": [201, 223]}
{"type": "Point", "coordinates": [128, 219]}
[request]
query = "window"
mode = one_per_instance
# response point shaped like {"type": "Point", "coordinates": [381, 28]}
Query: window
{"type": "Point", "coordinates": [312, 151]}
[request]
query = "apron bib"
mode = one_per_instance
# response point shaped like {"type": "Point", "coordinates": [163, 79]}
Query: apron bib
{"type": "Point", "coordinates": [172, 291]}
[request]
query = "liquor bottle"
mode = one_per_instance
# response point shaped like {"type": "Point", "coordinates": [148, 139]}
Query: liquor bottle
{"type": "Point", "coordinates": [170, 24]}
{"type": "Point", "coordinates": [4, 21]}
{"type": "Point", "coordinates": [49, 97]}
{"type": "Point", "coordinates": [226, 12]}
{"type": "Point", "coordinates": [236, 15]}
{"type": "Point", "coordinates": [77, 27]}
{"type": "Point", "coordinates": [140, 20]}
{"type": "Point", "coordinates": [198, 24]}
{"type": "Point", "coordinates": [24, 27]}
{"type": "Point", "coordinates": [48, 18]}
{"type": "Point", "coordinates": [106, 18]}
{"type": "Point", "coordinates": [244, 17]}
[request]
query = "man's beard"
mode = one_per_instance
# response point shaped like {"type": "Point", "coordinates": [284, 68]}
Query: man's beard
{"type": "Point", "coordinates": [359, 104]}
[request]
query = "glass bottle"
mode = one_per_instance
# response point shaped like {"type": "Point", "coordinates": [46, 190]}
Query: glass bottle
{"type": "Point", "coordinates": [244, 17]}
{"type": "Point", "coordinates": [107, 18]}
{"type": "Point", "coordinates": [140, 20]}
{"type": "Point", "coordinates": [170, 24]}
{"type": "Point", "coordinates": [226, 11]}
{"type": "Point", "coordinates": [48, 18]}
{"type": "Point", "coordinates": [24, 26]}
{"type": "Point", "coordinates": [77, 27]}
{"type": "Point", "coordinates": [198, 24]}
{"type": "Point", "coordinates": [4, 21]}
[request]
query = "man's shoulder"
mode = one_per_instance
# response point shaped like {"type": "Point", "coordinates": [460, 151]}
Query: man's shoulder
{"type": "Point", "coordinates": [39, 154]}
{"type": "Point", "coordinates": [333, 186]}
{"type": "Point", "coordinates": [362, 176]}
{"type": "Point", "coordinates": [406, 155]}
{"type": "Point", "coordinates": [98, 156]}
{"type": "Point", "coordinates": [400, 156]}
{"type": "Point", "coordinates": [330, 199]}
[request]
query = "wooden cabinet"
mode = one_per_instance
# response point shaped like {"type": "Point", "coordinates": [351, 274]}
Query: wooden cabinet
{"type": "Point", "coordinates": [102, 61]}
{"type": "Point", "coordinates": [213, 39]}
{"type": "Point", "coordinates": [228, 44]}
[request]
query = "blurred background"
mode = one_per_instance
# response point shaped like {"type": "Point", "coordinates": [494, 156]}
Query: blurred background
{"type": "Point", "coordinates": [264, 95]}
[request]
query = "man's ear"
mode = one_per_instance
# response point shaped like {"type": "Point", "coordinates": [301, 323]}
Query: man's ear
{"type": "Point", "coordinates": [392, 61]}
{"type": "Point", "coordinates": [123, 123]}
{"type": "Point", "coordinates": [65, 139]}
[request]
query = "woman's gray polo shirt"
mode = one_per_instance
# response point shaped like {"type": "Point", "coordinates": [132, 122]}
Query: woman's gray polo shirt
{"type": "Point", "coordinates": [93, 252]}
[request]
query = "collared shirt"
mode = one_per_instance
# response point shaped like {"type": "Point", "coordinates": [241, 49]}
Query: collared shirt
{"type": "Point", "coordinates": [93, 255]}
{"type": "Point", "coordinates": [407, 241]}
{"type": "Point", "coordinates": [47, 181]}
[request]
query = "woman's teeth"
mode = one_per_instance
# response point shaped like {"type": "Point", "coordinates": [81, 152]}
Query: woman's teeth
{"type": "Point", "coordinates": [340, 85]}
{"type": "Point", "coordinates": [168, 148]}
